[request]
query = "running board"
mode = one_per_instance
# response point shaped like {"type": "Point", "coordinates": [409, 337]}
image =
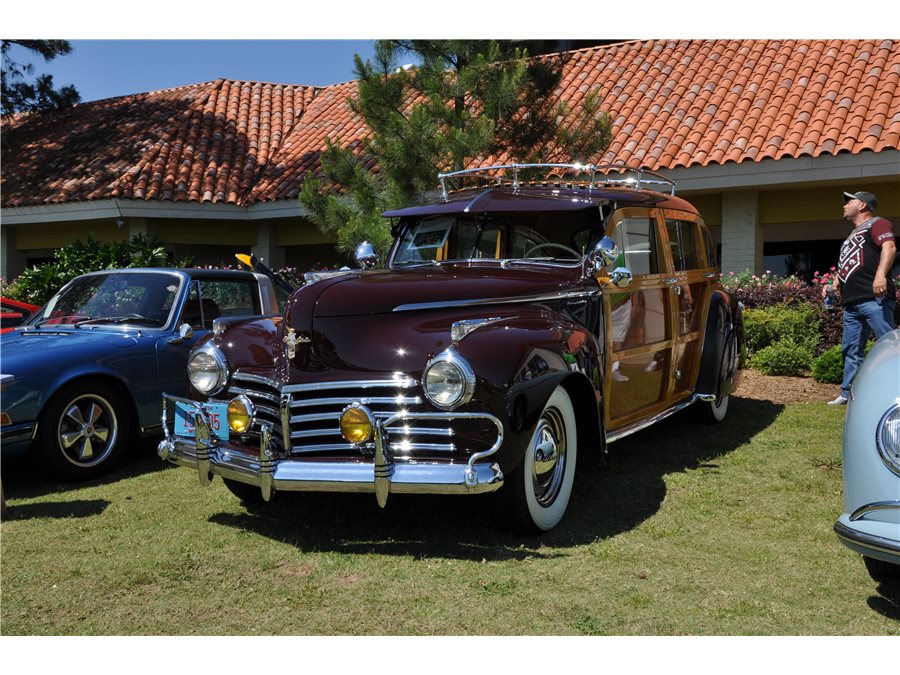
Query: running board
{"type": "Point", "coordinates": [644, 423]}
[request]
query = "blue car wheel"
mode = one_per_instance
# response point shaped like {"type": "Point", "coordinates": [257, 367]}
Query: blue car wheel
{"type": "Point", "coordinates": [82, 431]}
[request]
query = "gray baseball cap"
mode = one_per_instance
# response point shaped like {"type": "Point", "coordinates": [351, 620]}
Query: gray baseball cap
{"type": "Point", "coordinates": [866, 197]}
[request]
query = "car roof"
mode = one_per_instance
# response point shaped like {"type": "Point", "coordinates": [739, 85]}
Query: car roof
{"type": "Point", "coordinates": [542, 197]}
{"type": "Point", "coordinates": [193, 272]}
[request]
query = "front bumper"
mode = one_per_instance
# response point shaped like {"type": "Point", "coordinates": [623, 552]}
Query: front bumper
{"type": "Point", "coordinates": [878, 539]}
{"type": "Point", "coordinates": [380, 475]}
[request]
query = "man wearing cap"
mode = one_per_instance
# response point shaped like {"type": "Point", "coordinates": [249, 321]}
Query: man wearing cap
{"type": "Point", "coordinates": [864, 282]}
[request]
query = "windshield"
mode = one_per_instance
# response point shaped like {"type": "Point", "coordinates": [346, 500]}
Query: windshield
{"type": "Point", "coordinates": [115, 298]}
{"type": "Point", "coordinates": [561, 236]}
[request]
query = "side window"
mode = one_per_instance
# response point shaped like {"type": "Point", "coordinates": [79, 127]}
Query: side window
{"type": "Point", "coordinates": [228, 297]}
{"type": "Point", "coordinates": [636, 239]}
{"type": "Point", "coordinates": [209, 299]}
{"type": "Point", "coordinates": [685, 244]}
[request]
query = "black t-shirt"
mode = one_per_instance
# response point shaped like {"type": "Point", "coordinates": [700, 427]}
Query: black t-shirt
{"type": "Point", "coordinates": [860, 254]}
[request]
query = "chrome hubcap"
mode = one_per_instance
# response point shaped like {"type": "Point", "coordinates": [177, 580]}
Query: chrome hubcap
{"type": "Point", "coordinates": [87, 430]}
{"type": "Point", "coordinates": [549, 457]}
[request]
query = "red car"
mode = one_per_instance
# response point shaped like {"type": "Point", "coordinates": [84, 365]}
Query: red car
{"type": "Point", "coordinates": [14, 313]}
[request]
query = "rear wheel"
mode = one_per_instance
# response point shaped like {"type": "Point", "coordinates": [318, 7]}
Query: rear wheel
{"type": "Point", "coordinates": [537, 492]}
{"type": "Point", "coordinates": [715, 411]}
{"type": "Point", "coordinates": [82, 431]}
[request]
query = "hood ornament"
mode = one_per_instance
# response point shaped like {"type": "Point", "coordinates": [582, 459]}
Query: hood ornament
{"type": "Point", "coordinates": [291, 340]}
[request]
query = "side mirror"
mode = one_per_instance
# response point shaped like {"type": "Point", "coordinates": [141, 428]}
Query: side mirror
{"type": "Point", "coordinates": [621, 277]}
{"type": "Point", "coordinates": [185, 332]}
{"type": "Point", "coordinates": [604, 253]}
{"type": "Point", "coordinates": [366, 256]}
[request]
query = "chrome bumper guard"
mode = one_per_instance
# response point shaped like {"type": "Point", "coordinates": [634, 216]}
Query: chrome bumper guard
{"type": "Point", "coordinates": [381, 476]}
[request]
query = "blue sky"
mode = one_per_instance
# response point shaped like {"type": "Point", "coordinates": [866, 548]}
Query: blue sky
{"type": "Point", "coordinates": [106, 68]}
{"type": "Point", "coordinates": [124, 49]}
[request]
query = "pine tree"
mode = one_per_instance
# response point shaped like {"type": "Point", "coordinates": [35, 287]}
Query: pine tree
{"type": "Point", "coordinates": [463, 102]}
{"type": "Point", "coordinates": [17, 94]}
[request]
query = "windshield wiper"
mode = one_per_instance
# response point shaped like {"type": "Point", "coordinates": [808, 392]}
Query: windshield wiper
{"type": "Point", "coordinates": [129, 318]}
{"type": "Point", "coordinates": [404, 263]}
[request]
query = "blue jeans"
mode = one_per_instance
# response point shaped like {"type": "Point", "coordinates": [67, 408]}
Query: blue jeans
{"type": "Point", "coordinates": [859, 318]}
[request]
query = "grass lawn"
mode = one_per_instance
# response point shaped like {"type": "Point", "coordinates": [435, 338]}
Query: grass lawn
{"type": "Point", "coordinates": [694, 530]}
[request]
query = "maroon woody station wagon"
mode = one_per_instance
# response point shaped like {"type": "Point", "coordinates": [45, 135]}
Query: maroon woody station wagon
{"type": "Point", "coordinates": [518, 327]}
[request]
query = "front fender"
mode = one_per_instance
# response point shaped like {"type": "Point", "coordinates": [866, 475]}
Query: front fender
{"type": "Point", "coordinates": [520, 361]}
{"type": "Point", "coordinates": [26, 398]}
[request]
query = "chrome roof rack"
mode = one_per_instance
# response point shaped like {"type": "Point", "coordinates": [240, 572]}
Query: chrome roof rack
{"type": "Point", "coordinates": [629, 176]}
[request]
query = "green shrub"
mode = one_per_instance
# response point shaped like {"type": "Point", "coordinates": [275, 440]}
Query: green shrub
{"type": "Point", "coordinates": [797, 322]}
{"type": "Point", "coordinates": [829, 366]}
{"type": "Point", "coordinates": [783, 357]}
{"type": "Point", "coordinates": [38, 284]}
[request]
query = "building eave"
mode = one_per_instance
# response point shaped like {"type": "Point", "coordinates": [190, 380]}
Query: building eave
{"type": "Point", "coordinates": [133, 208]}
{"type": "Point", "coordinates": [777, 173]}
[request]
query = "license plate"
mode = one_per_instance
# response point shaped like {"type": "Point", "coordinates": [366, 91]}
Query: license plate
{"type": "Point", "coordinates": [218, 419]}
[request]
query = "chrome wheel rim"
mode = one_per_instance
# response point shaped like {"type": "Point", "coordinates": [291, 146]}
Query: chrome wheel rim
{"type": "Point", "coordinates": [548, 454]}
{"type": "Point", "coordinates": [87, 430]}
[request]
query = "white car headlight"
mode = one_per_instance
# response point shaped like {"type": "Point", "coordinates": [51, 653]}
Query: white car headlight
{"type": "Point", "coordinates": [208, 370]}
{"type": "Point", "coordinates": [887, 437]}
{"type": "Point", "coordinates": [448, 380]}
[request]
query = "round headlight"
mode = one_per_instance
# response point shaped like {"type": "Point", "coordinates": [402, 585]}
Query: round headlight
{"type": "Point", "coordinates": [240, 414]}
{"type": "Point", "coordinates": [448, 380]}
{"type": "Point", "coordinates": [887, 435]}
{"type": "Point", "coordinates": [207, 370]}
{"type": "Point", "coordinates": [357, 423]}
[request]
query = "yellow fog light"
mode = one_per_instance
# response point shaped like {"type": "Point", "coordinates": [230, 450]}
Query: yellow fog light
{"type": "Point", "coordinates": [357, 423]}
{"type": "Point", "coordinates": [240, 414]}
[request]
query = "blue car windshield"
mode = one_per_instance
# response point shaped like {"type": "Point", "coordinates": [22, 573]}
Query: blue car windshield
{"type": "Point", "coordinates": [142, 298]}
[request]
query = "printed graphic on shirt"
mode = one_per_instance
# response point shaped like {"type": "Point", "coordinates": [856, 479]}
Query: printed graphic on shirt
{"type": "Point", "coordinates": [851, 258]}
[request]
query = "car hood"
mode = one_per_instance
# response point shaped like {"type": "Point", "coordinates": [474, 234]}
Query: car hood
{"type": "Point", "coordinates": [22, 349]}
{"type": "Point", "coordinates": [464, 284]}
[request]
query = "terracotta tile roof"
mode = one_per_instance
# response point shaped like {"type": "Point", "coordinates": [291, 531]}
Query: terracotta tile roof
{"type": "Point", "coordinates": [202, 143]}
{"type": "Point", "coordinates": [673, 104]}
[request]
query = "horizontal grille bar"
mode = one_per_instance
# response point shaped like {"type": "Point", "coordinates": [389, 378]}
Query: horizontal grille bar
{"type": "Point", "coordinates": [344, 401]}
{"type": "Point", "coordinates": [397, 383]}
{"type": "Point", "coordinates": [253, 393]}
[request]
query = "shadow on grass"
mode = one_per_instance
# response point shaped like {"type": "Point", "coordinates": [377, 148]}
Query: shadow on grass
{"type": "Point", "coordinates": [78, 508]}
{"type": "Point", "coordinates": [23, 479]}
{"type": "Point", "coordinates": [888, 602]}
{"type": "Point", "coordinates": [606, 502]}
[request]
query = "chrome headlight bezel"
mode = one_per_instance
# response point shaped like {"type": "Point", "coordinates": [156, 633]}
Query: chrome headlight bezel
{"type": "Point", "coordinates": [448, 362]}
{"type": "Point", "coordinates": [212, 358]}
{"type": "Point", "coordinates": [887, 438]}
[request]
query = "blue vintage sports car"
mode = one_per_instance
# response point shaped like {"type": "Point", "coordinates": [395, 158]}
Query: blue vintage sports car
{"type": "Point", "coordinates": [870, 523]}
{"type": "Point", "coordinates": [88, 370]}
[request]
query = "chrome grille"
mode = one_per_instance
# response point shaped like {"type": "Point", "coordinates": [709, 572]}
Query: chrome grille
{"type": "Point", "coordinates": [313, 412]}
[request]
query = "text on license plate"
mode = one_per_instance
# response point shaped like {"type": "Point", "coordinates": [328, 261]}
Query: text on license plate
{"type": "Point", "coordinates": [218, 419]}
